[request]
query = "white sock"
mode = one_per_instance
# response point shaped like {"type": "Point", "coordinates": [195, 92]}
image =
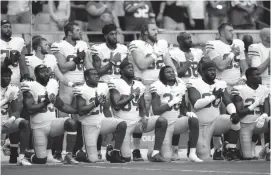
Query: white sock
{"type": "Point", "coordinates": [49, 153]}
{"type": "Point", "coordinates": [154, 152]}
{"type": "Point", "coordinates": [21, 156]}
{"type": "Point", "coordinates": [192, 151]}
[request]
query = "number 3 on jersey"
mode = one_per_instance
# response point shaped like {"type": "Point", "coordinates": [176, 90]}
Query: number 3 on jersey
{"type": "Point", "coordinates": [78, 67]}
{"type": "Point", "coordinates": [176, 106]}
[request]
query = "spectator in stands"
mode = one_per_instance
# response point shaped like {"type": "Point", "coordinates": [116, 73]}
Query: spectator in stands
{"type": "Point", "coordinates": [198, 14]}
{"type": "Point", "coordinates": [60, 13]}
{"type": "Point", "coordinates": [175, 14]}
{"type": "Point", "coordinates": [241, 14]}
{"type": "Point", "coordinates": [120, 13]}
{"type": "Point", "coordinates": [137, 13]}
{"type": "Point", "coordinates": [19, 11]}
{"type": "Point", "coordinates": [79, 13]}
{"type": "Point", "coordinates": [100, 13]}
{"type": "Point", "coordinates": [248, 40]}
{"type": "Point", "coordinates": [217, 13]}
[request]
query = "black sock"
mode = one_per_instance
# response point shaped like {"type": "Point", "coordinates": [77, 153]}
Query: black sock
{"type": "Point", "coordinates": [160, 132]}
{"type": "Point", "coordinates": [79, 139]}
{"type": "Point", "coordinates": [57, 144]}
{"type": "Point", "coordinates": [120, 134]}
{"type": "Point", "coordinates": [193, 132]}
{"type": "Point", "coordinates": [233, 136]}
{"type": "Point", "coordinates": [175, 139]}
{"type": "Point", "coordinates": [71, 138]}
{"type": "Point", "coordinates": [99, 142]}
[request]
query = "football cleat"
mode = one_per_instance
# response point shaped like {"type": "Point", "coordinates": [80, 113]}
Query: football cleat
{"type": "Point", "coordinates": [23, 162]}
{"type": "Point", "coordinates": [58, 156]}
{"type": "Point", "coordinates": [137, 155]}
{"type": "Point", "coordinates": [156, 158]}
{"type": "Point", "coordinates": [217, 155]}
{"type": "Point", "coordinates": [175, 155]}
{"type": "Point", "coordinates": [232, 154]}
{"type": "Point", "coordinates": [116, 157]}
{"type": "Point", "coordinates": [52, 160]}
{"type": "Point", "coordinates": [109, 148]}
{"type": "Point", "coordinates": [194, 158]}
{"type": "Point", "coordinates": [69, 159]}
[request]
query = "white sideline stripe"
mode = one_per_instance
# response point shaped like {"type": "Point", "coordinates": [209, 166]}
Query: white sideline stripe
{"type": "Point", "coordinates": [198, 171]}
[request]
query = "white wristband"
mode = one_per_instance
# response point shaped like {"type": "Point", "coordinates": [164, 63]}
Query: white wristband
{"type": "Point", "coordinates": [231, 108]}
{"type": "Point", "coordinates": [154, 56]}
{"type": "Point", "coordinates": [231, 55]}
{"type": "Point", "coordinates": [264, 115]}
{"type": "Point", "coordinates": [70, 84]}
{"type": "Point", "coordinates": [252, 106]}
{"type": "Point", "coordinates": [171, 103]}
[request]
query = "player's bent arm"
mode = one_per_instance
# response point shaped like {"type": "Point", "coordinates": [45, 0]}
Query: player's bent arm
{"type": "Point", "coordinates": [266, 106]}
{"type": "Point", "coordinates": [196, 100]}
{"type": "Point", "coordinates": [222, 64]}
{"type": "Point", "coordinates": [82, 108]}
{"type": "Point", "coordinates": [23, 66]}
{"type": "Point", "coordinates": [168, 61]}
{"type": "Point", "coordinates": [64, 65]}
{"type": "Point", "coordinates": [60, 105]}
{"type": "Point", "coordinates": [106, 107]}
{"type": "Point", "coordinates": [30, 105]}
{"type": "Point", "coordinates": [256, 62]}
{"type": "Point", "coordinates": [142, 61]}
{"type": "Point", "coordinates": [118, 103]}
{"type": "Point", "coordinates": [240, 109]}
{"type": "Point", "coordinates": [157, 108]}
{"type": "Point", "coordinates": [88, 60]}
{"type": "Point", "coordinates": [15, 106]}
{"type": "Point", "coordinates": [243, 65]}
{"type": "Point", "coordinates": [181, 70]}
{"type": "Point", "coordinates": [142, 107]}
{"type": "Point", "coordinates": [183, 107]}
{"type": "Point", "coordinates": [59, 75]}
{"type": "Point", "coordinates": [97, 64]}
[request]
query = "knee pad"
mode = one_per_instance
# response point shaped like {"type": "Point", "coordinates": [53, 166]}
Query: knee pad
{"type": "Point", "coordinates": [70, 125]}
{"type": "Point", "coordinates": [194, 122]}
{"type": "Point", "coordinates": [161, 122]}
{"type": "Point", "coordinates": [24, 124]}
{"type": "Point", "coordinates": [137, 135]}
{"type": "Point", "coordinates": [127, 159]}
{"type": "Point", "coordinates": [122, 126]}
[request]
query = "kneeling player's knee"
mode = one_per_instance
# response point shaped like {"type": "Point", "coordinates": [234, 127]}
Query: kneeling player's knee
{"type": "Point", "coordinates": [161, 122]}
{"type": "Point", "coordinates": [70, 125]}
{"type": "Point", "coordinates": [193, 122]}
{"type": "Point", "coordinates": [24, 125]}
{"type": "Point", "coordinates": [37, 160]}
{"type": "Point", "coordinates": [137, 135]}
{"type": "Point", "coordinates": [122, 125]}
{"type": "Point", "coordinates": [127, 159]}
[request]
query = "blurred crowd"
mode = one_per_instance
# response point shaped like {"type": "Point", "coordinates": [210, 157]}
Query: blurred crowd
{"type": "Point", "coordinates": [129, 15]}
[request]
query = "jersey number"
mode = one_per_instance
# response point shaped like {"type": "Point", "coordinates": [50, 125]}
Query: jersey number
{"type": "Point", "coordinates": [7, 54]}
{"type": "Point", "coordinates": [215, 103]}
{"type": "Point", "coordinates": [176, 107]}
{"type": "Point", "coordinates": [128, 107]}
{"type": "Point", "coordinates": [115, 68]}
{"type": "Point", "coordinates": [96, 110]}
{"type": "Point", "coordinates": [77, 66]}
{"type": "Point", "coordinates": [250, 101]}
{"type": "Point", "coordinates": [192, 70]}
{"type": "Point", "coordinates": [46, 108]}
{"type": "Point", "coordinates": [142, 12]}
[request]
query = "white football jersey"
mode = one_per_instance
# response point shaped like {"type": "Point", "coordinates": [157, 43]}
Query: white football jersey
{"type": "Point", "coordinates": [49, 60]}
{"type": "Point", "coordinates": [105, 53]}
{"type": "Point", "coordinates": [210, 112]}
{"type": "Point", "coordinates": [179, 56]}
{"type": "Point", "coordinates": [153, 71]}
{"type": "Point", "coordinates": [259, 54]}
{"type": "Point", "coordinates": [130, 112]}
{"type": "Point", "coordinates": [10, 92]}
{"type": "Point", "coordinates": [38, 91]}
{"type": "Point", "coordinates": [232, 74]}
{"type": "Point", "coordinates": [88, 93]}
{"type": "Point", "coordinates": [167, 93]}
{"type": "Point", "coordinates": [15, 44]}
{"type": "Point", "coordinates": [248, 96]}
{"type": "Point", "coordinates": [69, 52]}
